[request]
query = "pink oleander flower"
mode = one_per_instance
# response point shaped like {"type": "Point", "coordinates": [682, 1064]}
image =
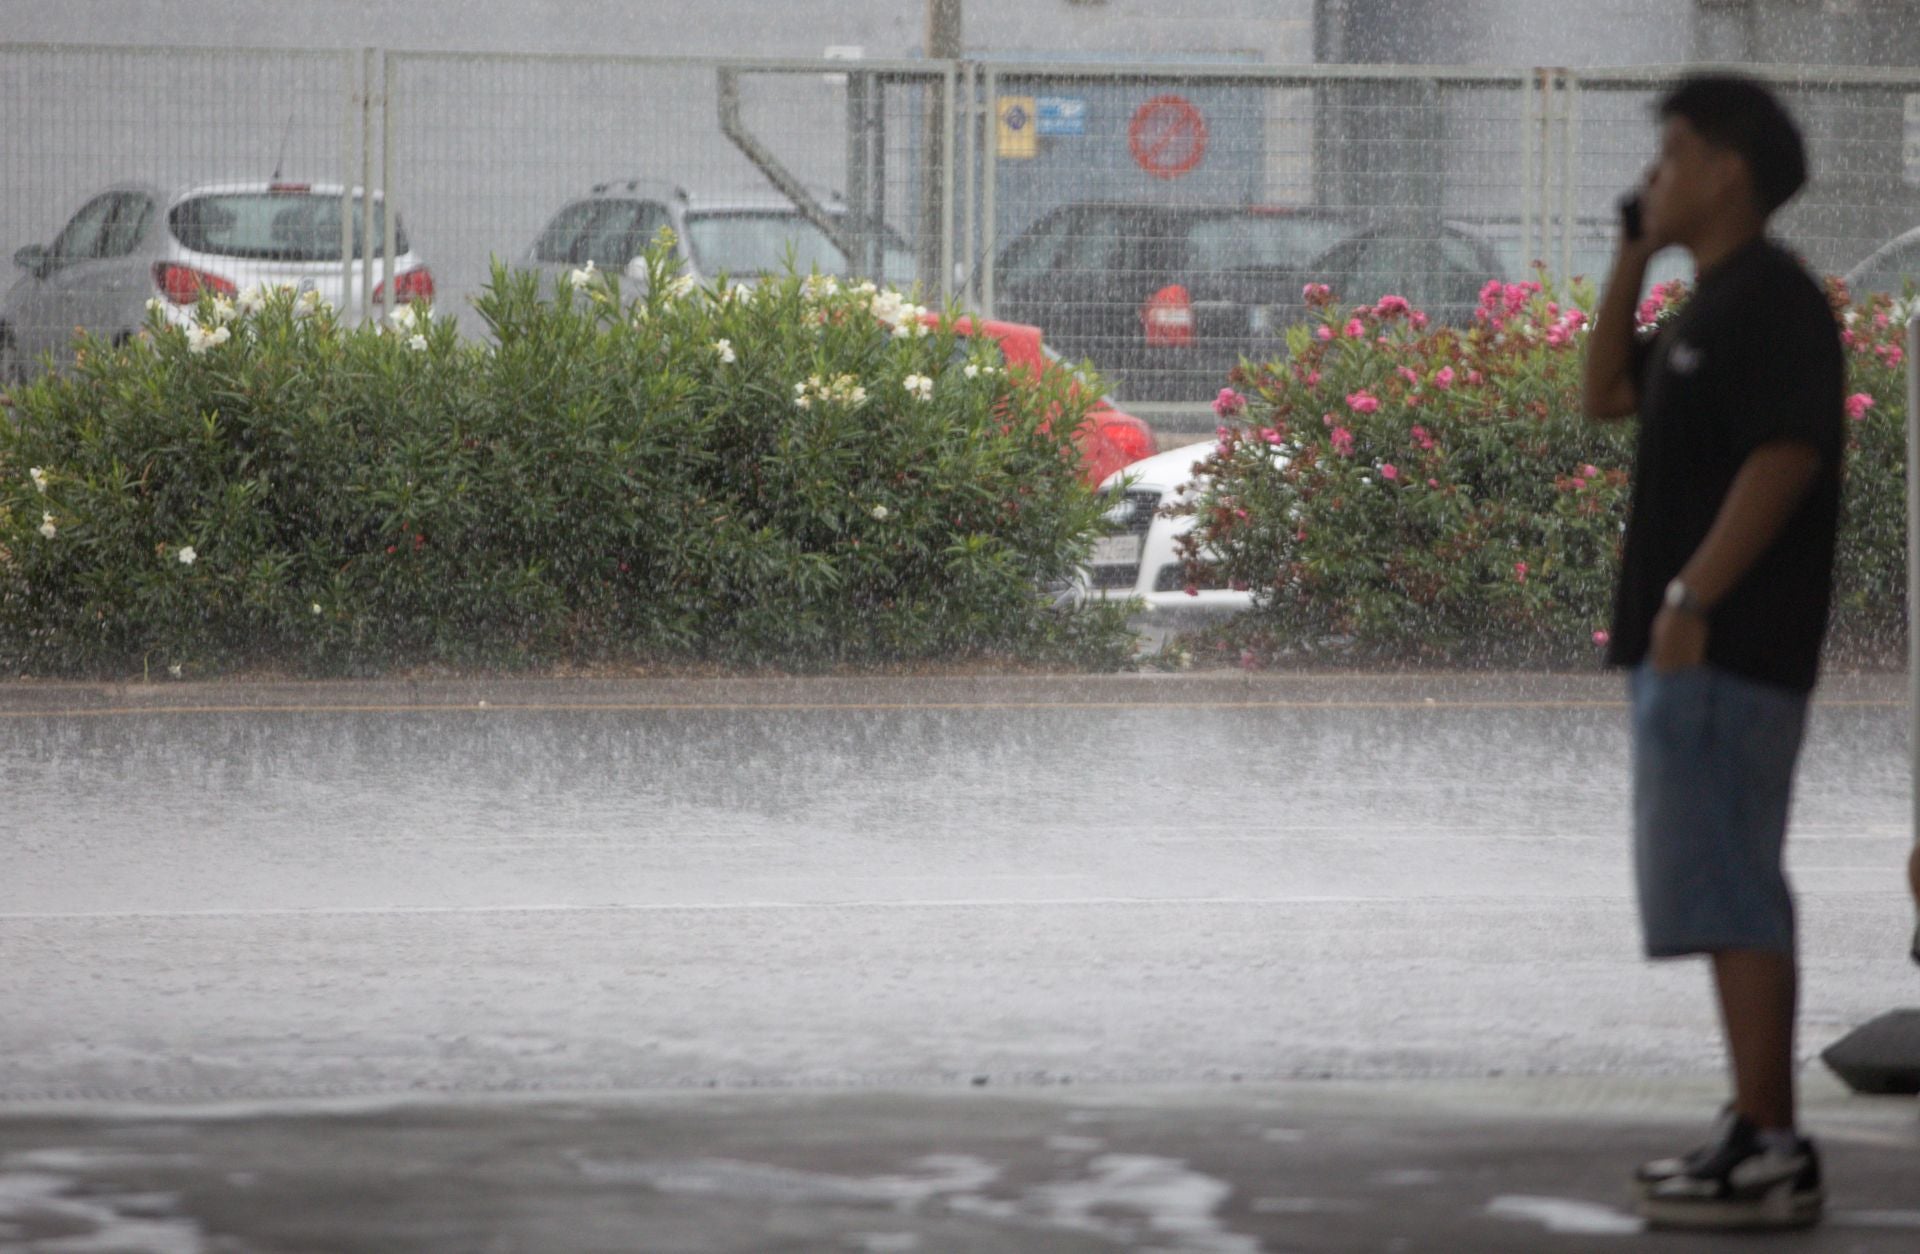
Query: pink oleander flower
{"type": "Point", "coordinates": [1433, 483]}
{"type": "Point", "coordinates": [1649, 311]}
{"type": "Point", "coordinates": [1356, 329]}
{"type": "Point", "coordinates": [1520, 571]}
{"type": "Point", "coordinates": [1475, 378]}
{"type": "Point", "coordinates": [1392, 306]}
{"type": "Point", "coordinates": [1362, 402]}
{"type": "Point", "coordinates": [1418, 320]}
{"type": "Point", "coordinates": [1577, 483]}
{"type": "Point", "coordinates": [1270, 435]}
{"type": "Point", "coordinates": [1325, 333]}
{"type": "Point", "coordinates": [1556, 338]}
{"type": "Point", "coordinates": [1880, 320]}
{"type": "Point", "coordinates": [1443, 378]}
{"type": "Point", "coordinates": [1846, 336]}
{"type": "Point", "coordinates": [1342, 441]}
{"type": "Point", "coordinates": [1892, 354]}
{"type": "Point", "coordinates": [1601, 638]}
{"type": "Point", "coordinates": [1316, 294]}
{"type": "Point", "coordinates": [1328, 421]}
{"type": "Point", "coordinates": [1228, 403]}
{"type": "Point", "coordinates": [1858, 404]}
{"type": "Point", "coordinates": [1421, 438]}
{"type": "Point", "coordinates": [1407, 373]}
{"type": "Point", "coordinates": [1313, 379]}
{"type": "Point", "coordinates": [1389, 471]}
{"type": "Point", "coordinates": [1590, 471]}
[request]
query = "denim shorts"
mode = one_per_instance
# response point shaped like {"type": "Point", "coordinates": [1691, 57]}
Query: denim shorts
{"type": "Point", "coordinates": [1713, 759]}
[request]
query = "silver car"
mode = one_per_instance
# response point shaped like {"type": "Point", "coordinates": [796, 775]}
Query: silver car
{"type": "Point", "coordinates": [745, 236]}
{"type": "Point", "coordinates": [136, 241]}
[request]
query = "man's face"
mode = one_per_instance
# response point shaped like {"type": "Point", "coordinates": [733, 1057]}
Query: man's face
{"type": "Point", "coordinates": [1689, 184]}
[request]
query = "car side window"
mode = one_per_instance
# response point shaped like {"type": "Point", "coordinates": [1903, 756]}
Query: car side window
{"type": "Point", "coordinates": [1035, 255]}
{"type": "Point", "coordinates": [1098, 246]}
{"type": "Point", "coordinates": [131, 217]}
{"type": "Point", "coordinates": [561, 240]}
{"type": "Point", "coordinates": [82, 237]}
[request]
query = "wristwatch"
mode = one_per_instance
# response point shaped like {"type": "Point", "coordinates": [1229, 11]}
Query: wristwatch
{"type": "Point", "coordinates": [1680, 597]}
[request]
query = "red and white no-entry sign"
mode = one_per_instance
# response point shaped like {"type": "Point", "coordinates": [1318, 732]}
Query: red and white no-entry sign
{"type": "Point", "coordinates": [1168, 136]}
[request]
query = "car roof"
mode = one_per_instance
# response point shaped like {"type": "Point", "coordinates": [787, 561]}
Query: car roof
{"type": "Point", "coordinates": [755, 200]}
{"type": "Point", "coordinates": [1899, 241]}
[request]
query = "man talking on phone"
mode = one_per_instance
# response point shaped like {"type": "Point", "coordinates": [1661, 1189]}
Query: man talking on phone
{"type": "Point", "coordinates": [1722, 607]}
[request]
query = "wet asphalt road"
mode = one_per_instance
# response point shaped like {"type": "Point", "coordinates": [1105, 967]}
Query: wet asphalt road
{"type": "Point", "coordinates": [212, 892]}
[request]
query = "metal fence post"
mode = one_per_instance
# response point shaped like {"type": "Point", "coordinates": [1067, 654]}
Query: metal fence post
{"type": "Point", "coordinates": [350, 99]}
{"type": "Point", "coordinates": [990, 174]}
{"type": "Point", "coordinates": [389, 217]}
{"type": "Point", "coordinates": [1528, 141]}
{"type": "Point", "coordinates": [366, 185]}
{"type": "Point", "coordinates": [1913, 561]}
{"type": "Point", "coordinates": [949, 143]}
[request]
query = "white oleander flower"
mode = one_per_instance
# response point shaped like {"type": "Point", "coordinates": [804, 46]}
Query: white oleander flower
{"type": "Point", "coordinates": [308, 301]}
{"type": "Point", "coordinates": [201, 338]}
{"type": "Point", "coordinates": [223, 309]}
{"type": "Point", "coordinates": [681, 287]}
{"type": "Point", "coordinates": [39, 478]}
{"type": "Point", "coordinates": [174, 670]}
{"type": "Point", "coordinates": [404, 318]}
{"type": "Point", "coordinates": [253, 300]}
{"type": "Point", "coordinates": [418, 343]}
{"type": "Point", "coordinates": [858, 396]}
{"type": "Point", "coordinates": [880, 513]}
{"type": "Point", "coordinates": [918, 386]}
{"type": "Point", "coordinates": [315, 607]}
{"type": "Point", "coordinates": [972, 371]}
{"type": "Point", "coordinates": [186, 555]}
{"type": "Point", "coordinates": [155, 305]}
{"type": "Point", "coordinates": [582, 277]}
{"type": "Point", "coordinates": [724, 350]}
{"type": "Point", "coordinates": [47, 528]}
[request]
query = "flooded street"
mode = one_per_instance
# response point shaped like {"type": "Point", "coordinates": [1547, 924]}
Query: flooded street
{"type": "Point", "coordinates": [363, 889]}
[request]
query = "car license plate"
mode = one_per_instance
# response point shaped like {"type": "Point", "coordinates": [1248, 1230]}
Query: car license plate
{"type": "Point", "coordinates": [1116, 550]}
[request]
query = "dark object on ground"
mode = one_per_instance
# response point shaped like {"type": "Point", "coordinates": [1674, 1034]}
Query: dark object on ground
{"type": "Point", "coordinates": [1880, 1056]}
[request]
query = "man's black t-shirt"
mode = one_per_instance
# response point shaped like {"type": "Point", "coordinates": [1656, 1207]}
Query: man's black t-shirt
{"type": "Point", "coordinates": [1753, 358]}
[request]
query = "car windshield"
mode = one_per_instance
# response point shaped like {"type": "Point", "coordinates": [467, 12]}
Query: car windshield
{"type": "Point", "coordinates": [1260, 240]}
{"type": "Point", "coordinates": [757, 242]}
{"type": "Point", "coordinates": [274, 226]}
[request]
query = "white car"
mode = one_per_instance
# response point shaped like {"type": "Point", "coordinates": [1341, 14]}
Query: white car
{"type": "Point", "coordinates": [1141, 560]}
{"type": "Point", "coordinates": [135, 241]}
{"type": "Point", "coordinates": [745, 236]}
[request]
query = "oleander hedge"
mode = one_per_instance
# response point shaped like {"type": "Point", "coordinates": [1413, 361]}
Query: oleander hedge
{"type": "Point", "coordinates": [1398, 491]}
{"type": "Point", "coordinates": [800, 475]}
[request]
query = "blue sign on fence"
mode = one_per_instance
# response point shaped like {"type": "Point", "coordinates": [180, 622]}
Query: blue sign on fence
{"type": "Point", "coordinates": [1062, 115]}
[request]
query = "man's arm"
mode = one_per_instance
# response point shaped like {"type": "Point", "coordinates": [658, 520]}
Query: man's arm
{"type": "Point", "coordinates": [1766, 491]}
{"type": "Point", "coordinates": [1608, 389]}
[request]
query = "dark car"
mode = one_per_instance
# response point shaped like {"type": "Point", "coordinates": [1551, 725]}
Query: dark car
{"type": "Point", "coordinates": [1163, 300]}
{"type": "Point", "coordinates": [1438, 267]}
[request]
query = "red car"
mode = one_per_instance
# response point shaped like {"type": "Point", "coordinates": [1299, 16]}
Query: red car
{"type": "Point", "coordinates": [1108, 440]}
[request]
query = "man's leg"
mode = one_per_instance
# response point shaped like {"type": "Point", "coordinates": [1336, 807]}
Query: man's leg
{"type": "Point", "coordinates": [1758, 991]}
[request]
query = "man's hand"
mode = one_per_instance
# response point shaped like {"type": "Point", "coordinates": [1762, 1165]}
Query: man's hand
{"type": "Point", "coordinates": [1679, 640]}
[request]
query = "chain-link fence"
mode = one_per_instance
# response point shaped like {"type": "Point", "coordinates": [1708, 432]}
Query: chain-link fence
{"type": "Point", "coordinates": [1156, 220]}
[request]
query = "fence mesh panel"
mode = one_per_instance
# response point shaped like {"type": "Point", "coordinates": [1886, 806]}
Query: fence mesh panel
{"type": "Point", "coordinates": [1158, 221]}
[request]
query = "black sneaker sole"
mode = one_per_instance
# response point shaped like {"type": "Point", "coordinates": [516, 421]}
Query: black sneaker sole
{"type": "Point", "coordinates": [1779, 1211]}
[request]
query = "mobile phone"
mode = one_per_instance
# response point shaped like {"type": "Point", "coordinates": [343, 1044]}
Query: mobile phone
{"type": "Point", "coordinates": [1630, 215]}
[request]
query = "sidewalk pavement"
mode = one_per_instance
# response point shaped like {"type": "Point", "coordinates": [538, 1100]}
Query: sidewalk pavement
{"type": "Point", "coordinates": [1476, 1166]}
